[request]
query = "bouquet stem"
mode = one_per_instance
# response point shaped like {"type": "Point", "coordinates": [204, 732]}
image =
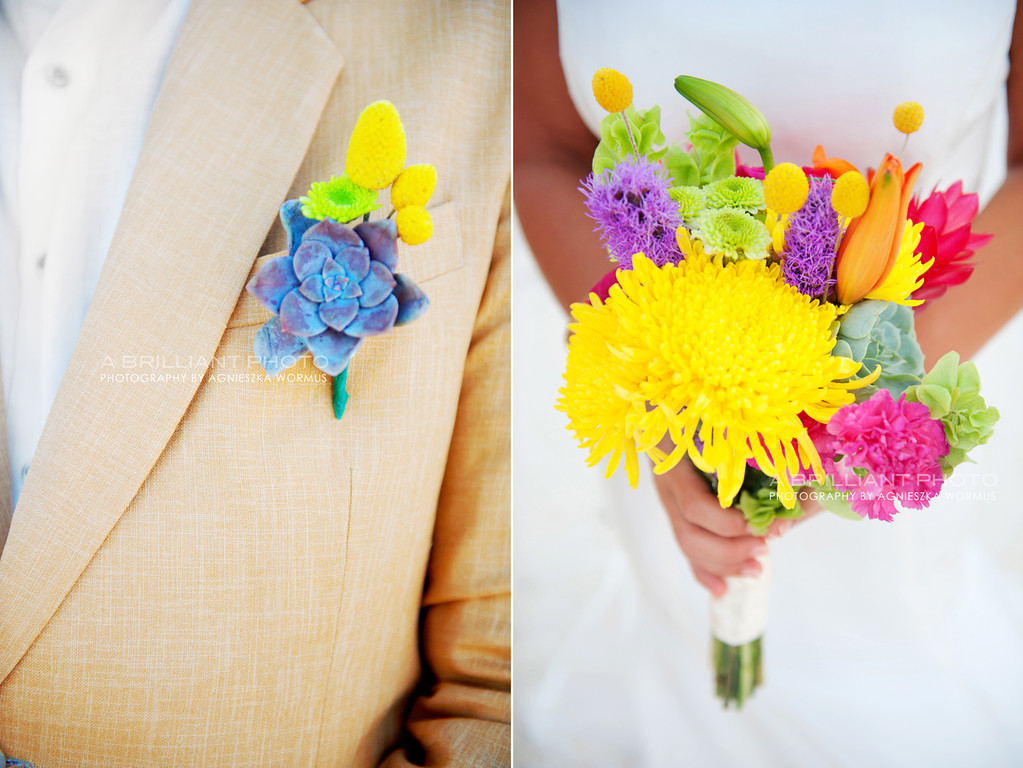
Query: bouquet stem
{"type": "Point", "coordinates": [737, 622]}
{"type": "Point", "coordinates": [737, 670]}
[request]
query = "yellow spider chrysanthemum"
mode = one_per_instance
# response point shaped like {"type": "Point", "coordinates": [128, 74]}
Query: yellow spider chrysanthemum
{"type": "Point", "coordinates": [722, 357]}
{"type": "Point", "coordinates": [602, 389]}
{"type": "Point", "coordinates": [688, 246]}
{"type": "Point", "coordinates": [777, 226]}
{"type": "Point", "coordinates": [907, 273]}
{"type": "Point", "coordinates": [612, 89]}
{"type": "Point", "coordinates": [376, 151]}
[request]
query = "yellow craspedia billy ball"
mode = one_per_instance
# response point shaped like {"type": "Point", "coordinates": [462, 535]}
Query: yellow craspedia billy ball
{"type": "Point", "coordinates": [376, 151]}
{"type": "Point", "coordinates": [850, 195]}
{"type": "Point", "coordinates": [786, 188]}
{"type": "Point", "coordinates": [414, 224]}
{"type": "Point", "coordinates": [612, 89]}
{"type": "Point", "coordinates": [414, 186]}
{"type": "Point", "coordinates": [908, 117]}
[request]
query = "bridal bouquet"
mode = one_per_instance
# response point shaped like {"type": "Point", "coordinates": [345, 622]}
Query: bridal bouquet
{"type": "Point", "coordinates": [759, 322]}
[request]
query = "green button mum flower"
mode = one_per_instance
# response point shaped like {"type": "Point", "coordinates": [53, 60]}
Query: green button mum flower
{"type": "Point", "coordinates": [736, 192]}
{"type": "Point", "coordinates": [691, 202]}
{"type": "Point", "coordinates": [733, 233]}
{"type": "Point", "coordinates": [340, 199]}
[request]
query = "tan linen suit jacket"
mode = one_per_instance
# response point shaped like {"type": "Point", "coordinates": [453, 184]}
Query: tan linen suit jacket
{"type": "Point", "coordinates": [209, 569]}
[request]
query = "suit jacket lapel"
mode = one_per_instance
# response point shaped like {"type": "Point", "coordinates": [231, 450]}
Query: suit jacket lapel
{"type": "Point", "coordinates": [240, 101]}
{"type": "Point", "coordinates": [5, 473]}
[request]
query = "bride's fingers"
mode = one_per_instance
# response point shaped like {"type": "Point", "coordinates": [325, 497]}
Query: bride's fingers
{"type": "Point", "coordinates": [685, 494]}
{"type": "Point", "coordinates": [709, 515]}
{"type": "Point", "coordinates": [715, 584]}
{"type": "Point", "coordinates": [718, 554]}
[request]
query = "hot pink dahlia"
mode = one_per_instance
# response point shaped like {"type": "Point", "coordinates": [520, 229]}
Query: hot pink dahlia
{"type": "Point", "coordinates": [946, 237]}
{"type": "Point", "coordinates": [897, 443]}
{"type": "Point", "coordinates": [757, 171]}
{"type": "Point", "coordinates": [603, 286]}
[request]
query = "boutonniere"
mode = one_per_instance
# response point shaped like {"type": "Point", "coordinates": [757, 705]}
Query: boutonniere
{"type": "Point", "coordinates": [338, 283]}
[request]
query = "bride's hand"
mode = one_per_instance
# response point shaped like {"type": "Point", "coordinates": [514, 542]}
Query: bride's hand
{"type": "Point", "coordinates": [716, 541]}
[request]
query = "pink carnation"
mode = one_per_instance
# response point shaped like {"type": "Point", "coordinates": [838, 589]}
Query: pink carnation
{"type": "Point", "coordinates": [897, 443]}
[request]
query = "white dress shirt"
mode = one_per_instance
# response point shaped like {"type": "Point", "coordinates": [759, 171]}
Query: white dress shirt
{"type": "Point", "coordinates": [78, 79]}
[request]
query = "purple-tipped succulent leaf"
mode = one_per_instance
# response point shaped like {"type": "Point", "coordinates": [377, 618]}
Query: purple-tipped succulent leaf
{"type": "Point", "coordinates": [332, 351]}
{"type": "Point", "coordinates": [412, 302]}
{"type": "Point", "coordinates": [295, 224]}
{"type": "Point", "coordinates": [377, 286]}
{"type": "Point", "coordinates": [381, 237]}
{"type": "Point", "coordinates": [300, 316]}
{"type": "Point", "coordinates": [310, 259]}
{"type": "Point", "coordinates": [374, 320]}
{"type": "Point", "coordinates": [335, 281]}
{"type": "Point", "coordinates": [276, 349]}
{"type": "Point", "coordinates": [339, 312]}
{"type": "Point", "coordinates": [352, 291]}
{"type": "Point", "coordinates": [335, 236]}
{"type": "Point", "coordinates": [312, 288]}
{"type": "Point", "coordinates": [275, 280]}
{"type": "Point", "coordinates": [355, 260]}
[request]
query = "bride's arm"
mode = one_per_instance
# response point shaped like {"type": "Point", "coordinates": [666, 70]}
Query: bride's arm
{"type": "Point", "coordinates": [970, 314]}
{"type": "Point", "coordinates": [553, 152]}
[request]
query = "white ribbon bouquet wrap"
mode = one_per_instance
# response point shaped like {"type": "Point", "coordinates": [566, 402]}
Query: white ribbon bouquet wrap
{"type": "Point", "coordinates": [738, 620]}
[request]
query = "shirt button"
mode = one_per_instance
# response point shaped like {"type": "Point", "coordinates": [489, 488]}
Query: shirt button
{"type": "Point", "coordinates": [58, 77]}
{"type": "Point", "coordinates": [41, 261]}
{"type": "Point", "coordinates": [24, 472]}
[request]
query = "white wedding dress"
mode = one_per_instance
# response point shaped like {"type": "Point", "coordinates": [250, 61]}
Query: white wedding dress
{"type": "Point", "coordinates": [894, 644]}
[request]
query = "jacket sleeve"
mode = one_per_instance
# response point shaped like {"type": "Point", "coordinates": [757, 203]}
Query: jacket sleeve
{"type": "Point", "coordinates": [464, 717]}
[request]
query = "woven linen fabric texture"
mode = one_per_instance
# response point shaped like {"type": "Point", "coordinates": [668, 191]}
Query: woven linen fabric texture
{"type": "Point", "coordinates": [210, 568]}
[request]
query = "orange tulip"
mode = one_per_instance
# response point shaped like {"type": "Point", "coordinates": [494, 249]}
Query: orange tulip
{"type": "Point", "coordinates": [872, 241]}
{"type": "Point", "coordinates": [835, 166]}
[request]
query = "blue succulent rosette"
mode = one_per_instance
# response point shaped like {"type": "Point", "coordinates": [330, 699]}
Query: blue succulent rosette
{"type": "Point", "coordinates": [336, 286]}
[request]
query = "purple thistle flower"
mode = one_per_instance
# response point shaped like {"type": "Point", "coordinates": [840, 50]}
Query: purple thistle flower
{"type": "Point", "coordinates": [810, 243]}
{"type": "Point", "coordinates": [634, 212]}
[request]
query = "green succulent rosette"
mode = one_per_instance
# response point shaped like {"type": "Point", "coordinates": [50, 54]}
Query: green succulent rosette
{"type": "Point", "coordinates": [951, 393]}
{"type": "Point", "coordinates": [881, 333]}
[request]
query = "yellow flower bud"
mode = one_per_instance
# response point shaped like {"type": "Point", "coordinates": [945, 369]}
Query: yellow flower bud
{"type": "Point", "coordinates": [612, 89]}
{"type": "Point", "coordinates": [908, 117]}
{"type": "Point", "coordinates": [414, 224]}
{"type": "Point", "coordinates": [786, 188]}
{"type": "Point", "coordinates": [850, 195]}
{"type": "Point", "coordinates": [414, 186]}
{"type": "Point", "coordinates": [376, 151]}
